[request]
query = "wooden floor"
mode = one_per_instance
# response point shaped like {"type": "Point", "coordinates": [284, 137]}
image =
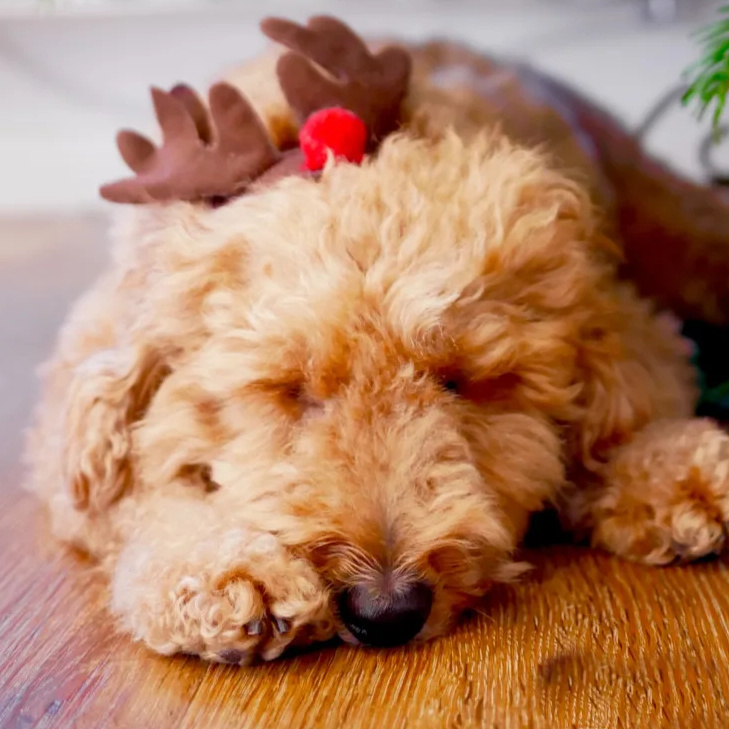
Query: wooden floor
{"type": "Point", "coordinates": [585, 641]}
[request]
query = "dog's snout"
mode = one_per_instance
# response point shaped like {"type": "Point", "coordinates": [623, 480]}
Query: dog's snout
{"type": "Point", "coordinates": [386, 618]}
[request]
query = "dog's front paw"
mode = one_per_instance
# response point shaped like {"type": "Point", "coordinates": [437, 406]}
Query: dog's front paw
{"type": "Point", "coordinates": [670, 504]}
{"type": "Point", "coordinates": [239, 599]}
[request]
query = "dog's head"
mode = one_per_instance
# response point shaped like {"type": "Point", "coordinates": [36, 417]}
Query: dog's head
{"type": "Point", "coordinates": [379, 367]}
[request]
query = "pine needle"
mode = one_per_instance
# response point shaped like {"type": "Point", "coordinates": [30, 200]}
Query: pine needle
{"type": "Point", "coordinates": [709, 76]}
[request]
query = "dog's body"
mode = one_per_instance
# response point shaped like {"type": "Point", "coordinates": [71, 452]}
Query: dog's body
{"type": "Point", "coordinates": [332, 406]}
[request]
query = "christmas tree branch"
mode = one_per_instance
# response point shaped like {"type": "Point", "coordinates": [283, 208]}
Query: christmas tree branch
{"type": "Point", "coordinates": [709, 77]}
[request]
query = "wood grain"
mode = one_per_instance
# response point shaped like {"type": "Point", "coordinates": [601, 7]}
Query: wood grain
{"type": "Point", "coordinates": [584, 641]}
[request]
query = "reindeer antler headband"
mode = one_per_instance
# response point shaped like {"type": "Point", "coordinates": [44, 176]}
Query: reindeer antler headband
{"type": "Point", "coordinates": [345, 98]}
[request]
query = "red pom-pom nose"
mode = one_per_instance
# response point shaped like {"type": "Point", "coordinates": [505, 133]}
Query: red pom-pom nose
{"type": "Point", "coordinates": [336, 130]}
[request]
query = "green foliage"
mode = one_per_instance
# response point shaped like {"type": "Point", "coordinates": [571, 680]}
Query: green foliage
{"type": "Point", "coordinates": [709, 77]}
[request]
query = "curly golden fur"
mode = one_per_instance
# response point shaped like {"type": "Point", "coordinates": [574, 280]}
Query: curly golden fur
{"type": "Point", "coordinates": [373, 378]}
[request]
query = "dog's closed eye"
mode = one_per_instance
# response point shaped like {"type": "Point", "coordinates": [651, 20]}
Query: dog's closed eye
{"type": "Point", "coordinates": [292, 395]}
{"type": "Point", "coordinates": [299, 395]}
{"type": "Point", "coordinates": [200, 475]}
{"type": "Point", "coordinates": [499, 387]}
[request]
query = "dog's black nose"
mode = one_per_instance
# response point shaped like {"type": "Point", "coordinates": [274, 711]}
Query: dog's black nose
{"type": "Point", "coordinates": [385, 619]}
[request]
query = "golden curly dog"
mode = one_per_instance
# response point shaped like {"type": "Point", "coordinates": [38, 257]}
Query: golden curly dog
{"type": "Point", "coordinates": [331, 405]}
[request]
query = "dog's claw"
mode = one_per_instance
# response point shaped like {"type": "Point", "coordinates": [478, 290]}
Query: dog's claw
{"type": "Point", "coordinates": [680, 549]}
{"type": "Point", "coordinates": [282, 626]}
{"type": "Point", "coordinates": [683, 551]}
{"type": "Point", "coordinates": [255, 627]}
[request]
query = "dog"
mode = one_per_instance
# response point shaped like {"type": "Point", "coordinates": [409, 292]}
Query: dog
{"type": "Point", "coordinates": [305, 402]}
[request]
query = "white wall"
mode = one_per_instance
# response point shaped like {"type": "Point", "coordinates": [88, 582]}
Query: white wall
{"type": "Point", "coordinates": [71, 76]}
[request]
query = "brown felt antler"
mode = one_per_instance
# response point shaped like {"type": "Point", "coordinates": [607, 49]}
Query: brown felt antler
{"type": "Point", "coordinates": [371, 86]}
{"type": "Point", "coordinates": [218, 154]}
{"type": "Point", "coordinates": [203, 155]}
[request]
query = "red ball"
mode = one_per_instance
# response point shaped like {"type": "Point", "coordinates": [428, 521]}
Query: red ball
{"type": "Point", "coordinates": [337, 130]}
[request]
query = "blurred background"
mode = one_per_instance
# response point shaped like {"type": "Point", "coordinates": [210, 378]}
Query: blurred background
{"type": "Point", "coordinates": [73, 71]}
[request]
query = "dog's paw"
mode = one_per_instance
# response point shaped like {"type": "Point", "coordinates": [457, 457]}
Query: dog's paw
{"type": "Point", "coordinates": [684, 531]}
{"type": "Point", "coordinates": [240, 600]}
{"type": "Point", "coordinates": [696, 530]}
{"type": "Point", "coordinates": [675, 508]}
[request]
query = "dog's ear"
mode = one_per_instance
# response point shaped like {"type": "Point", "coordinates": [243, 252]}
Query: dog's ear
{"type": "Point", "coordinates": [558, 273]}
{"type": "Point", "coordinates": [110, 391]}
{"type": "Point", "coordinates": [614, 400]}
{"type": "Point", "coordinates": [626, 381]}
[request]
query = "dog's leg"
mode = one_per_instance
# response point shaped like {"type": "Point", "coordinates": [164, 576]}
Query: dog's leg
{"type": "Point", "coordinates": [194, 578]}
{"type": "Point", "coordinates": [665, 494]}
